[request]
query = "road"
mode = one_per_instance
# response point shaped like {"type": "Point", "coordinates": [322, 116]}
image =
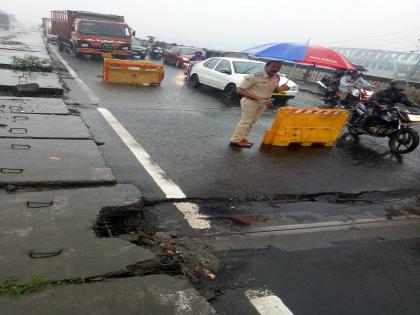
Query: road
{"type": "Point", "coordinates": [304, 229]}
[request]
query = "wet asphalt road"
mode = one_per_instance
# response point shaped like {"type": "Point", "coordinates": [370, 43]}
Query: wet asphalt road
{"type": "Point", "coordinates": [357, 270]}
{"type": "Point", "coordinates": [186, 132]}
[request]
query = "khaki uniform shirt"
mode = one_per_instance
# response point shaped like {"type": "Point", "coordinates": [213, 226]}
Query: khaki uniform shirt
{"type": "Point", "coordinates": [260, 84]}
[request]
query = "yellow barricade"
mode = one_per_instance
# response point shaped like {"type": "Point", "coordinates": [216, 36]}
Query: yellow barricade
{"type": "Point", "coordinates": [306, 126]}
{"type": "Point", "coordinates": [132, 72]}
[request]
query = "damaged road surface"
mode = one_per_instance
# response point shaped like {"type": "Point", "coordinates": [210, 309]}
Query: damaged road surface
{"type": "Point", "coordinates": [193, 226]}
{"type": "Point", "coordinates": [257, 231]}
{"type": "Point", "coordinates": [59, 253]}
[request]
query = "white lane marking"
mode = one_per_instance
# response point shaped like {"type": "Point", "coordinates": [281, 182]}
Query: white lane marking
{"type": "Point", "coordinates": [170, 189]}
{"type": "Point", "coordinates": [92, 97]}
{"type": "Point", "coordinates": [189, 210]}
{"type": "Point", "coordinates": [267, 303]}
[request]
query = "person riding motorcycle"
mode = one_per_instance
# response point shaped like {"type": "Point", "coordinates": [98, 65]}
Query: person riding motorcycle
{"type": "Point", "coordinates": [346, 83]}
{"type": "Point", "coordinates": [381, 101]}
{"type": "Point", "coordinates": [395, 93]}
{"type": "Point", "coordinates": [335, 79]}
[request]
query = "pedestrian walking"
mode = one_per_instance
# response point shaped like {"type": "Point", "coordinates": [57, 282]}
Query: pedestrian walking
{"type": "Point", "coordinates": [256, 90]}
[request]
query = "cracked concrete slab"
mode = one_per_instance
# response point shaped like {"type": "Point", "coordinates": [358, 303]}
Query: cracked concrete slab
{"type": "Point", "coordinates": [42, 126]}
{"type": "Point", "coordinates": [52, 162]}
{"type": "Point", "coordinates": [22, 39]}
{"type": "Point", "coordinates": [54, 220]}
{"type": "Point", "coordinates": [151, 295]}
{"type": "Point", "coordinates": [48, 82]}
{"type": "Point", "coordinates": [32, 105]}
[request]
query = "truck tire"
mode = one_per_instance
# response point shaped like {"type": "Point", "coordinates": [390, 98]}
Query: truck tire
{"type": "Point", "coordinates": [74, 53]}
{"type": "Point", "coordinates": [60, 45]}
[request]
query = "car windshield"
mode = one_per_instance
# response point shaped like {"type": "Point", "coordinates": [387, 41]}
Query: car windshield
{"type": "Point", "coordinates": [104, 29]}
{"type": "Point", "coordinates": [136, 42]}
{"type": "Point", "coordinates": [247, 67]}
{"type": "Point", "coordinates": [187, 51]}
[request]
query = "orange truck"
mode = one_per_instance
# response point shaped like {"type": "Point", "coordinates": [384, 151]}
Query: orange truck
{"type": "Point", "coordinates": [88, 33]}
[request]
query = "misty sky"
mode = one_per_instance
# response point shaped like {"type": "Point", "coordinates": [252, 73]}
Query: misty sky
{"type": "Point", "coordinates": [237, 25]}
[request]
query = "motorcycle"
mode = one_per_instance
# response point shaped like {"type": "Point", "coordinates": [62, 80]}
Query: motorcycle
{"type": "Point", "coordinates": [329, 86]}
{"type": "Point", "coordinates": [331, 95]}
{"type": "Point", "coordinates": [360, 92]}
{"type": "Point", "coordinates": [394, 124]}
{"type": "Point", "coordinates": [155, 53]}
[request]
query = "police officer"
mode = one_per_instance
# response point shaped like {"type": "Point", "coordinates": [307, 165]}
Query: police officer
{"type": "Point", "coordinates": [256, 90]}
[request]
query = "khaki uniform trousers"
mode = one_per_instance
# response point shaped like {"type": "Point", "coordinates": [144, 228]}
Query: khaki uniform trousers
{"type": "Point", "coordinates": [251, 111]}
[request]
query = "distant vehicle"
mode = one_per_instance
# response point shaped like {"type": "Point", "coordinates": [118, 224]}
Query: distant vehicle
{"type": "Point", "coordinates": [179, 55]}
{"type": "Point", "coordinates": [214, 53]}
{"type": "Point", "coordinates": [137, 49]}
{"type": "Point", "coordinates": [155, 52]}
{"type": "Point", "coordinates": [89, 33]}
{"type": "Point", "coordinates": [227, 73]}
{"type": "Point", "coordinates": [4, 21]}
{"type": "Point", "coordinates": [46, 31]}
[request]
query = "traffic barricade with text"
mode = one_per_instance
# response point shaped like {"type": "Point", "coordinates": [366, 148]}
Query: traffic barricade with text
{"type": "Point", "coordinates": [306, 126]}
{"type": "Point", "coordinates": [132, 72]}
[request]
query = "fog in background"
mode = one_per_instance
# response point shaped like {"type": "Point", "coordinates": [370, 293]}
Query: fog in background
{"type": "Point", "coordinates": [237, 25]}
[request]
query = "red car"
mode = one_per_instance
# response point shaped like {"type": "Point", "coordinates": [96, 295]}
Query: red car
{"type": "Point", "coordinates": [179, 55]}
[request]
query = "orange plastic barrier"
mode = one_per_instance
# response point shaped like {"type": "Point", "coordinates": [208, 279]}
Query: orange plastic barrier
{"type": "Point", "coordinates": [132, 72]}
{"type": "Point", "coordinates": [306, 126]}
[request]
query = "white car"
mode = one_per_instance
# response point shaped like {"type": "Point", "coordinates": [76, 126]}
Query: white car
{"type": "Point", "coordinates": [226, 74]}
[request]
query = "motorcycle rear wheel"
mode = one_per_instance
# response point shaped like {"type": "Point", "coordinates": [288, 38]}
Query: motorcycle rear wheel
{"type": "Point", "coordinates": [403, 141]}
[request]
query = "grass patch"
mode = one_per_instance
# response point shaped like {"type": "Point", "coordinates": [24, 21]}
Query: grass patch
{"type": "Point", "coordinates": [11, 287]}
{"type": "Point", "coordinates": [31, 63]}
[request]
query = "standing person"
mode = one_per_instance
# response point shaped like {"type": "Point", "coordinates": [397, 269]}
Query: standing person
{"type": "Point", "coordinates": [198, 56]}
{"type": "Point", "coordinates": [256, 90]}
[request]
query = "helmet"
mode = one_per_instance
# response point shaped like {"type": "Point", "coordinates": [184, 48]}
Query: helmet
{"type": "Point", "coordinates": [198, 52]}
{"type": "Point", "coordinates": [398, 84]}
{"type": "Point", "coordinates": [352, 73]}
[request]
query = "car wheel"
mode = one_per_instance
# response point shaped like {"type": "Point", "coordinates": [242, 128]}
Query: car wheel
{"type": "Point", "coordinates": [194, 81]}
{"type": "Point", "coordinates": [230, 93]}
